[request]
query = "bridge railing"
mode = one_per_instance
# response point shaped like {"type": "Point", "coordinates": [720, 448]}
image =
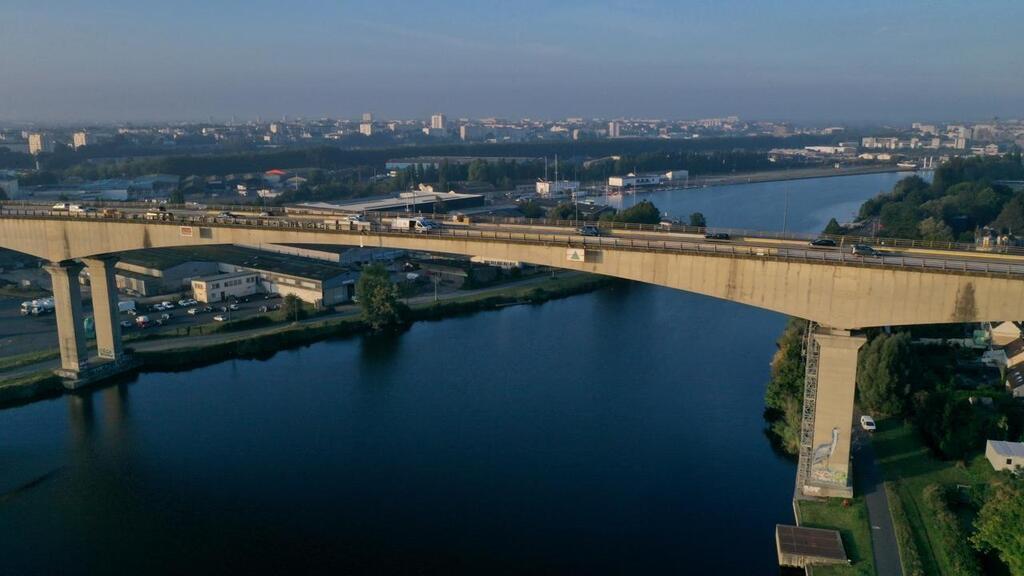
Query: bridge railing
{"type": "Point", "coordinates": [568, 239]}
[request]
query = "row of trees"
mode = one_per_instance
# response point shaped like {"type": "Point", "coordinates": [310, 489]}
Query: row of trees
{"type": "Point", "coordinates": [961, 198]}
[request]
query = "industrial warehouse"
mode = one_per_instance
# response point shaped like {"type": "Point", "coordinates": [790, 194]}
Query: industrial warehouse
{"type": "Point", "coordinates": [169, 271]}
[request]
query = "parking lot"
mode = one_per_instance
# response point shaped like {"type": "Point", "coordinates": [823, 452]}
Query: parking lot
{"type": "Point", "coordinates": [22, 334]}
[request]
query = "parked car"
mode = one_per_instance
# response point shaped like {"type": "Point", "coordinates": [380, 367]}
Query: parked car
{"type": "Point", "coordinates": [588, 230]}
{"type": "Point", "coordinates": [867, 423]}
{"type": "Point", "coordinates": [187, 302]}
{"type": "Point", "coordinates": [864, 250]}
{"type": "Point", "coordinates": [165, 316]}
{"type": "Point", "coordinates": [205, 309]}
{"type": "Point", "coordinates": [220, 318]}
{"type": "Point", "coordinates": [716, 236]}
{"type": "Point", "coordinates": [823, 243]}
{"type": "Point", "coordinates": [233, 307]}
{"type": "Point", "coordinates": [261, 309]}
{"type": "Point", "coordinates": [193, 311]}
{"type": "Point", "coordinates": [127, 323]}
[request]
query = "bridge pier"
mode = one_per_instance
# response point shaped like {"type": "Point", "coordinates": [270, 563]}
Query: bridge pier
{"type": "Point", "coordinates": [104, 306]}
{"type": "Point", "coordinates": [67, 301]}
{"type": "Point", "coordinates": [829, 388]}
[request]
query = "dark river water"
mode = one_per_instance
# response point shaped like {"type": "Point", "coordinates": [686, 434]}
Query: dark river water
{"type": "Point", "coordinates": [617, 432]}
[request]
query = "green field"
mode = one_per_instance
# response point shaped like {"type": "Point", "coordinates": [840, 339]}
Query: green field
{"type": "Point", "coordinates": [908, 463]}
{"type": "Point", "coordinates": [852, 523]}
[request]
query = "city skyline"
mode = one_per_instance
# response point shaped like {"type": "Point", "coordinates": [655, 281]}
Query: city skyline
{"type": "Point", "coordinates": [116, 62]}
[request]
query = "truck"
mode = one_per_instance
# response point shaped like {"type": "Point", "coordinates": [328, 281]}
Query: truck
{"type": "Point", "coordinates": [125, 305]}
{"type": "Point", "coordinates": [415, 224]}
{"type": "Point", "coordinates": [37, 307]}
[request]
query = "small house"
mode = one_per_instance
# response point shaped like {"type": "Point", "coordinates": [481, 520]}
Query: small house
{"type": "Point", "coordinates": [1005, 455]}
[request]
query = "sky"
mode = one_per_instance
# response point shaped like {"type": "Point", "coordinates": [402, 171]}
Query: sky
{"type": "Point", "coordinates": [858, 61]}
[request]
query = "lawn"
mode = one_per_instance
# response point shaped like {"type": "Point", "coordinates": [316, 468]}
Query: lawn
{"type": "Point", "coordinates": [852, 523]}
{"type": "Point", "coordinates": [906, 461]}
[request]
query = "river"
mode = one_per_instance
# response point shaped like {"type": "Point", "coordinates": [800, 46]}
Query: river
{"type": "Point", "coordinates": [614, 432]}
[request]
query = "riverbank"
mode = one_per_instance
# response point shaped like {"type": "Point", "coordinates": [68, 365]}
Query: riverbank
{"type": "Point", "coordinates": [794, 174]}
{"type": "Point", "coordinates": [172, 353]}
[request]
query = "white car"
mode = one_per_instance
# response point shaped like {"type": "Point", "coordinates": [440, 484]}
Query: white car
{"type": "Point", "coordinates": [867, 423]}
{"type": "Point", "coordinates": [193, 311]}
{"type": "Point", "coordinates": [220, 318]}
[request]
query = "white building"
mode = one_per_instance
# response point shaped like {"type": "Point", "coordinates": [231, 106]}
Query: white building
{"type": "Point", "coordinates": [221, 287]}
{"type": "Point", "coordinates": [366, 128]}
{"type": "Point", "coordinates": [632, 180]}
{"type": "Point", "coordinates": [1005, 455]}
{"type": "Point", "coordinates": [437, 121]}
{"type": "Point", "coordinates": [557, 187]}
{"type": "Point", "coordinates": [614, 129]}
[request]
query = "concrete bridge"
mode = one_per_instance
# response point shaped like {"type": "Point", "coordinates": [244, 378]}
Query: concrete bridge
{"type": "Point", "coordinates": [838, 292]}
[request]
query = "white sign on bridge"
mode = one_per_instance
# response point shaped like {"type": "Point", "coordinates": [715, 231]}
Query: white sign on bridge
{"type": "Point", "coordinates": [576, 255]}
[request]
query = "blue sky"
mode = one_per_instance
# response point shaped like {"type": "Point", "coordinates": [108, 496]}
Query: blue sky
{"type": "Point", "coordinates": [857, 61]}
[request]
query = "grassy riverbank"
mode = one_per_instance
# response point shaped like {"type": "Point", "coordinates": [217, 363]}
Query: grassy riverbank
{"type": "Point", "coordinates": [284, 337]}
{"type": "Point", "coordinates": [245, 339]}
{"type": "Point", "coordinates": [851, 520]}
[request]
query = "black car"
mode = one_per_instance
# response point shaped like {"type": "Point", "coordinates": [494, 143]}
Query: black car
{"type": "Point", "coordinates": [823, 243]}
{"type": "Point", "coordinates": [716, 236]}
{"type": "Point", "coordinates": [588, 230]}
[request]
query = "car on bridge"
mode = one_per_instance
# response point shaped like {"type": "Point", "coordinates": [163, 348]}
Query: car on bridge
{"type": "Point", "coordinates": [588, 230]}
{"type": "Point", "coordinates": [864, 250]}
{"type": "Point", "coordinates": [822, 243]}
{"type": "Point", "coordinates": [716, 236]}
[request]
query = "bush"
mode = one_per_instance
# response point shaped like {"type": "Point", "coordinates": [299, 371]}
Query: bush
{"type": "Point", "coordinates": [952, 539]}
{"type": "Point", "coordinates": [910, 557]}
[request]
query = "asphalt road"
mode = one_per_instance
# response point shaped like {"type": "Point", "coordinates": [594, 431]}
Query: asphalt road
{"type": "Point", "coordinates": [868, 481]}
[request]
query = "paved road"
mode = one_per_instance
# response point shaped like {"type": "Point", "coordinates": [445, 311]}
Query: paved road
{"type": "Point", "coordinates": [868, 481]}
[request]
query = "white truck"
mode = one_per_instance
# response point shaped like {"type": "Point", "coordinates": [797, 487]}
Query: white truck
{"type": "Point", "coordinates": [415, 224]}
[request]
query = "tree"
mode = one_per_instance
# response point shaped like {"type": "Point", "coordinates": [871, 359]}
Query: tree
{"type": "Point", "coordinates": [833, 228]}
{"type": "Point", "coordinates": [643, 213]}
{"type": "Point", "coordinates": [935, 230]}
{"type": "Point", "coordinates": [291, 308]}
{"type": "Point", "coordinates": [531, 209]}
{"type": "Point", "coordinates": [1011, 218]}
{"type": "Point", "coordinates": [697, 219]}
{"type": "Point", "coordinates": [1000, 524]}
{"type": "Point", "coordinates": [899, 220]}
{"type": "Point", "coordinates": [177, 197]}
{"type": "Point", "coordinates": [883, 374]}
{"type": "Point", "coordinates": [378, 297]}
{"type": "Point", "coordinates": [784, 395]}
{"type": "Point", "coordinates": [3, 194]}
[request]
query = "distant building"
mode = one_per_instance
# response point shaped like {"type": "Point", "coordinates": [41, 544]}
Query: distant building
{"type": "Point", "coordinates": [80, 139]}
{"type": "Point", "coordinates": [221, 287]}
{"type": "Point", "coordinates": [366, 128]}
{"type": "Point", "coordinates": [880, 143]}
{"type": "Point", "coordinates": [677, 175]}
{"type": "Point", "coordinates": [367, 117]}
{"type": "Point", "coordinates": [437, 121]}
{"type": "Point", "coordinates": [1005, 455]}
{"type": "Point", "coordinates": [614, 129]}
{"type": "Point", "coordinates": [557, 188]}
{"type": "Point", "coordinates": [633, 181]}
{"type": "Point", "coordinates": [39, 143]}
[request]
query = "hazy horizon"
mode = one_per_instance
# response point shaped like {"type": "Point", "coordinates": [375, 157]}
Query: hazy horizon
{"type": "Point", "coordinates": [873, 62]}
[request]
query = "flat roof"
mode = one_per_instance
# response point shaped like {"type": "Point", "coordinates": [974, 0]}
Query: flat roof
{"type": "Point", "coordinates": [812, 542]}
{"type": "Point", "coordinates": [225, 276]}
{"type": "Point", "coordinates": [1005, 448]}
{"type": "Point", "coordinates": [285, 264]}
{"type": "Point", "coordinates": [389, 203]}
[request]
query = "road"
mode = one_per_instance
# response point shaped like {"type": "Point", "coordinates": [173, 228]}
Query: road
{"type": "Point", "coordinates": [868, 481]}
